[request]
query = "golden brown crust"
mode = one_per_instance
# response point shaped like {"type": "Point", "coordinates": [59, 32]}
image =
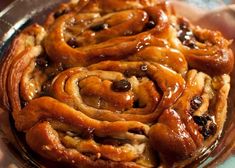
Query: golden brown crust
{"type": "Point", "coordinates": [114, 43]}
{"type": "Point", "coordinates": [24, 48]}
{"type": "Point", "coordinates": [205, 50]}
{"type": "Point", "coordinates": [117, 84]}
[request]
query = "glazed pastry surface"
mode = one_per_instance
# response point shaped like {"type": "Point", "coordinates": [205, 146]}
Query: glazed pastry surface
{"type": "Point", "coordinates": [123, 83]}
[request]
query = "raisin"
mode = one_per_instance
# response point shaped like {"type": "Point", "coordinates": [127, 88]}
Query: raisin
{"type": "Point", "coordinates": [207, 126]}
{"type": "Point", "coordinates": [209, 118]}
{"type": "Point", "coordinates": [73, 43]}
{"type": "Point", "coordinates": [46, 88]}
{"type": "Point", "coordinates": [200, 120]}
{"type": "Point", "coordinates": [190, 43]}
{"type": "Point", "coordinates": [213, 128]}
{"type": "Point", "coordinates": [151, 24]}
{"type": "Point", "coordinates": [196, 102]}
{"type": "Point", "coordinates": [136, 104]}
{"type": "Point", "coordinates": [183, 35]}
{"type": "Point", "coordinates": [184, 25]}
{"type": "Point", "coordinates": [99, 27]}
{"type": "Point", "coordinates": [205, 132]}
{"type": "Point", "coordinates": [121, 86]}
{"type": "Point", "coordinates": [41, 62]}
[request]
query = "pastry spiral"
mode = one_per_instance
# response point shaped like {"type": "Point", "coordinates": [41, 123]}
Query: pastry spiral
{"type": "Point", "coordinates": [117, 84]}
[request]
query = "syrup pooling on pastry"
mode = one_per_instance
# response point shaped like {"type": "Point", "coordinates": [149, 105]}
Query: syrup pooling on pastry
{"type": "Point", "coordinates": [117, 84]}
{"type": "Point", "coordinates": [111, 36]}
{"type": "Point", "coordinates": [96, 86]}
{"type": "Point", "coordinates": [204, 49]}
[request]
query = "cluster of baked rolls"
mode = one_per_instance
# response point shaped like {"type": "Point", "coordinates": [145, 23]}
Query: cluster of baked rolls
{"type": "Point", "coordinates": [124, 83]}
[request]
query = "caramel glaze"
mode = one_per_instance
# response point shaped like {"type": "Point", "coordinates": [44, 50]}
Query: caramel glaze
{"type": "Point", "coordinates": [204, 49]}
{"type": "Point", "coordinates": [119, 40]}
{"type": "Point", "coordinates": [117, 84]}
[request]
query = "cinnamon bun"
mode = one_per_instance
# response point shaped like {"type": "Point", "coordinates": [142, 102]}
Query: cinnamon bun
{"type": "Point", "coordinates": [123, 83]}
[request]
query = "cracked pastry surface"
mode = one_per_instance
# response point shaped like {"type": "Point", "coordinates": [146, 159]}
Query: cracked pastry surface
{"type": "Point", "coordinates": [117, 84]}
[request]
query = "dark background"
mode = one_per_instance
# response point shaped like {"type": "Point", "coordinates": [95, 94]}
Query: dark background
{"type": "Point", "coordinates": [4, 3]}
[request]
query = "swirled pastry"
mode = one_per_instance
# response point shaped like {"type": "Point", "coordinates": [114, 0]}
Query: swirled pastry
{"type": "Point", "coordinates": [117, 84]}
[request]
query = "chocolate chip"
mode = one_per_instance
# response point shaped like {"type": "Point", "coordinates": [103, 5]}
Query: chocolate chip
{"type": "Point", "coordinates": [121, 86]}
{"type": "Point", "coordinates": [200, 120]}
{"type": "Point", "coordinates": [60, 13]}
{"type": "Point", "coordinates": [99, 27]}
{"type": "Point", "coordinates": [73, 43]}
{"type": "Point", "coordinates": [196, 102]}
{"type": "Point", "coordinates": [151, 24]}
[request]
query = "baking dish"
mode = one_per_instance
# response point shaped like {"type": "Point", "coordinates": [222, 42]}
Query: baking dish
{"type": "Point", "coordinates": [15, 152]}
